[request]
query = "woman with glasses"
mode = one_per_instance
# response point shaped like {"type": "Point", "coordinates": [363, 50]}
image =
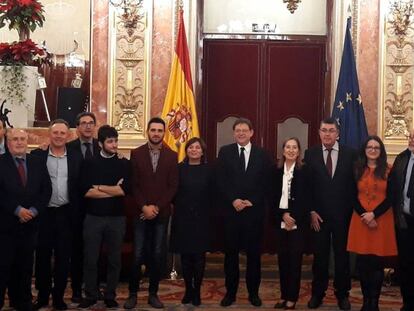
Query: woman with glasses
{"type": "Point", "coordinates": [371, 233]}
{"type": "Point", "coordinates": [290, 202]}
{"type": "Point", "coordinates": [190, 223]}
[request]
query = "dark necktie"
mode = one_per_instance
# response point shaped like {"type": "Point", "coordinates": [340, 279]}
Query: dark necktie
{"type": "Point", "coordinates": [242, 160]}
{"type": "Point", "coordinates": [88, 151]}
{"type": "Point", "coordinates": [329, 162]}
{"type": "Point", "coordinates": [21, 170]}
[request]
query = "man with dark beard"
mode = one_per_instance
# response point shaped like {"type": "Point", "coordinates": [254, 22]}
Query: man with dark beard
{"type": "Point", "coordinates": [104, 183]}
{"type": "Point", "coordinates": [154, 183]}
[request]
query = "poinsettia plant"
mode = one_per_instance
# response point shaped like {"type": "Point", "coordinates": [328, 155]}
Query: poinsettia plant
{"type": "Point", "coordinates": [25, 53]}
{"type": "Point", "coordinates": [21, 14]}
{"type": "Point", "coordinates": [12, 58]}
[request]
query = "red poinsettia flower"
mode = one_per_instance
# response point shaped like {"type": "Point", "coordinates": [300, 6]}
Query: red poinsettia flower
{"type": "Point", "coordinates": [24, 2]}
{"type": "Point", "coordinates": [23, 53]}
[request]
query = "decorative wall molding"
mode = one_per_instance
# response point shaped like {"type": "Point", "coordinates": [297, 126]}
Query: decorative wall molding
{"type": "Point", "coordinates": [130, 45]}
{"type": "Point", "coordinates": [398, 72]}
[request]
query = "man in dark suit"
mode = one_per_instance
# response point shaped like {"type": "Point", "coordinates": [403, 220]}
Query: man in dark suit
{"type": "Point", "coordinates": [87, 146]}
{"type": "Point", "coordinates": [56, 223]}
{"type": "Point", "coordinates": [242, 171]}
{"type": "Point", "coordinates": [25, 191]}
{"type": "Point", "coordinates": [401, 193]}
{"type": "Point", "coordinates": [154, 184]}
{"type": "Point", "coordinates": [333, 190]}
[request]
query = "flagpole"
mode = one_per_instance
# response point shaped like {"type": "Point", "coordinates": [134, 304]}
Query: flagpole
{"type": "Point", "coordinates": [173, 272]}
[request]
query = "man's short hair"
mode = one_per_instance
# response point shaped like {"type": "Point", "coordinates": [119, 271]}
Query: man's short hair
{"type": "Point", "coordinates": [330, 120]}
{"type": "Point", "coordinates": [156, 120]}
{"type": "Point", "coordinates": [4, 122]}
{"type": "Point", "coordinates": [243, 121]}
{"type": "Point", "coordinates": [85, 114]}
{"type": "Point", "coordinates": [59, 121]}
{"type": "Point", "coordinates": [106, 131]}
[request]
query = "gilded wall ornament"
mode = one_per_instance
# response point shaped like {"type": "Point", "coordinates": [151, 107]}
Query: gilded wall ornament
{"type": "Point", "coordinates": [292, 5]}
{"type": "Point", "coordinates": [129, 74]}
{"type": "Point", "coordinates": [398, 97]}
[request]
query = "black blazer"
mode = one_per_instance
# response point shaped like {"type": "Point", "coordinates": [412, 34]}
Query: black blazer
{"type": "Point", "coordinates": [74, 166]}
{"type": "Point", "coordinates": [298, 205]}
{"type": "Point", "coordinates": [35, 194]}
{"type": "Point", "coordinates": [76, 145]}
{"type": "Point", "coordinates": [395, 187]}
{"type": "Point", "coordinates": [332, 198]}
{"type": "Point", "coordinates": [250, 185]}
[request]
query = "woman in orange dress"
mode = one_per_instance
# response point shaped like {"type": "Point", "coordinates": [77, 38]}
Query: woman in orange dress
{"type": "Point", "coordinates": [371, 233]}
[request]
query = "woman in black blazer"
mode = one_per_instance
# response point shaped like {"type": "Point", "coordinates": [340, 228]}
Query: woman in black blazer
{"type": "Point", "coordinates": [190, 223]}
{"type": "Point", "coordinates": [289, 203]}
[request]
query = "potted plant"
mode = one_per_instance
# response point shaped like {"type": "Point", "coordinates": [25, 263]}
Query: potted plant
{"type": "Point", "coordinates": [14, 58]}
{"type": "Point", "coordinates": [21, 15]}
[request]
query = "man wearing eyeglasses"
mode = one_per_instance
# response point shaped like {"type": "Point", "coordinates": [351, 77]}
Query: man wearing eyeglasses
{"type": "Point", "coordinates": [401, 193]}
{"type": "Point", "coordinates": [88, 147]}
{"type": "Point", "coordinates": [333, 191]}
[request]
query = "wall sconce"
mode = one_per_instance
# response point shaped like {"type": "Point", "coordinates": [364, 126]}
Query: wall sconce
{"type": "Point", "coordinates": [133, 11]}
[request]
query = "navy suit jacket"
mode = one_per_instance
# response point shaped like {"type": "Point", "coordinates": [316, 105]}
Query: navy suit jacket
{"type": "Point", "coordinates": [332, 197]}
{"type": "Point", "coordinates": [234, 183]}
{"type": "Point", "coordinates": [74, 166]}
{"type": "Point", "coordinates": [76, 145]}
{"type": "Point", "coordinates": [35, 194]}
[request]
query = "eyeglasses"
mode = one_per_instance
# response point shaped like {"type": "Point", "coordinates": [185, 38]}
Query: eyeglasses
{"type": "Point", "coordinates": [86, 124]}
{"type": "Point", "coordinates": [372, 148]}
{"type": "Point", "coordinates": [326, 131]}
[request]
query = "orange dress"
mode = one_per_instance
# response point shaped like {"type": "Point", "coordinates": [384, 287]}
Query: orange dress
{"type": "Point", "coordinates": [380, 241]}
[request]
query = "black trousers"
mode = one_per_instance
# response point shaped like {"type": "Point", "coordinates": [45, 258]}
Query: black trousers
{"type": "Point", "coordinates": [335, 233]}
{"type": "Point", "coordinates": [290, 252]}
{"type": "Point", "coordinates": [98, 231]}
{"type": "Point", "coordinates": [405, 241]}
{"type": "Point", "coordinates": [76, 262]}
{"type": "Point", "coordinates": [242, 234]}
{"type": "Point", "coordinates": [16, 265]}
{"type": "Point", "coordinates": [55, 240]}
{"type": "Point", "coordinates": [193, 265]}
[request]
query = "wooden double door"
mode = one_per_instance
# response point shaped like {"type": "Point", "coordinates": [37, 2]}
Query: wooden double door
{"type": "Point", "coordinates": [266, 81]}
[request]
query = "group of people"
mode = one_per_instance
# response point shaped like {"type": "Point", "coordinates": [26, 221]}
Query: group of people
{"type": "Point", "coordinates": [66, 201]}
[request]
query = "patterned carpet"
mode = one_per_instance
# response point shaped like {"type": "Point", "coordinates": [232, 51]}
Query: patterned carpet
{"type": "Point", "coordinates": [171, 291]}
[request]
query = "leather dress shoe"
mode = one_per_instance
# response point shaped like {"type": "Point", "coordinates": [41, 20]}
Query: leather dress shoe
{"type": "Point", "coordinates": [255, 300]}
{"type": "Point", "coordinates": [227, 301]}
{"type": "Point", "coordinates": [111, 303]}
{"type": "Point", "coordinates": [280, 305]}
{"type": "Point", "coordinates": [131, 302]}
{"type": "Point", "coordinates": [86, 303]}
{"type": "Point", "coordinates": [344, 304]}
{"type": "Point", "coordinates": [196, 301]}
{"type": "Point", "coordinates": [60, 305]}
{"type": "Point", "coordinates": [40, 304]}
{"type": "Point", "coordinates": [77, 296]}
{"type": "Point", "coordinates": [291, 307]}
{"type": "Point", "coordinates": [314, 302]}
{"type": "Point", "coordinates": [155, 302]}
{"type": "Point", "coordinates": [188, 296]}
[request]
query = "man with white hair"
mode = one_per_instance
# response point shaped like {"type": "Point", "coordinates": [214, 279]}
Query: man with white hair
{"type": "Point", "coordinates": [25, 190]}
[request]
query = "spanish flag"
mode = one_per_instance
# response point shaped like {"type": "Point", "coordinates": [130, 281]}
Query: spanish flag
{"type": "Point", "coordinates": [179, 110]}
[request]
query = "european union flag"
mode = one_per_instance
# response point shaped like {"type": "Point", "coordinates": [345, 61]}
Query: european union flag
{"type": "Point", "coordinates": [348, 109]}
